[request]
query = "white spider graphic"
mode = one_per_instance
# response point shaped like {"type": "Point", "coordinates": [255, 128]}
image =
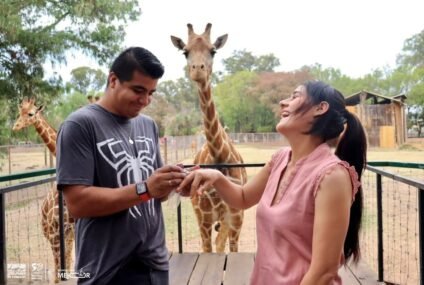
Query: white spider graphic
{"type": "Point", "coordinates": [130, 169]}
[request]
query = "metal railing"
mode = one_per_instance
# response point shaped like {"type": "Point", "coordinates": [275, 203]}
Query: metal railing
{"type": "Point", "coordinates": [374, 167]}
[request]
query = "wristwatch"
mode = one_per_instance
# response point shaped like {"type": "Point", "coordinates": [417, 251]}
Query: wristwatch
{"type": "Point", "coordinates": [142, 191]}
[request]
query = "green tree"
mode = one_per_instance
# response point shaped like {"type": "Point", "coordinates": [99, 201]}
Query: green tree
{"type": "Point", "coordinates": [243, 60]}
{"type": "Point", "coordinates": [183, 115]}
{"type": "Point", "coordinates": [413, 51]}
{"type": "Point", "coordinates": [36, 33]}
{"type": "Point", "coordinates": [235, 106]}
{"type": "Point", "coordinates": [411, 62]}
{"type": "Point", "coordinates": [271, 87]}
{"type": "Point", "coordinates": [87, 80]}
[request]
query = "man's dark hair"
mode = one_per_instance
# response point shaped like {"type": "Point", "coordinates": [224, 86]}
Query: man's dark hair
{"type": "Point", "coordinates": [136, 59]}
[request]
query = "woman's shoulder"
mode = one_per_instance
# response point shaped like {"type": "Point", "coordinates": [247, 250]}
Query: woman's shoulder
{"type": "Point", "coordinates": [280, 155]}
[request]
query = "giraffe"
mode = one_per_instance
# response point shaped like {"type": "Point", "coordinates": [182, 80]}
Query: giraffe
{"type": "Point", "coordinates": [30, 114]}
{"type": "Point", "coordinates": [209, 208]}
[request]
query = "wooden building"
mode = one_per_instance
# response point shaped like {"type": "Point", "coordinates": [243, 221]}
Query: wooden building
{"type": "Point", "coordinates": [383, 117]}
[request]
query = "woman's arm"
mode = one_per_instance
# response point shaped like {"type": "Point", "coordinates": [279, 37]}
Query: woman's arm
{"type": "Point", "coordinates": [332, 208]}
{"type": "Point", "coordinates": [237, 196]}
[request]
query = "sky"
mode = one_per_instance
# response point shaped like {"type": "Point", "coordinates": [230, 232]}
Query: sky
{"type": "Point", "coordinates": [355, 36]}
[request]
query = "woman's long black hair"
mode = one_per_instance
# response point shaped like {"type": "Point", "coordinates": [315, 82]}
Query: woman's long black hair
{"type": "Point", "coordinates": [351, 147]}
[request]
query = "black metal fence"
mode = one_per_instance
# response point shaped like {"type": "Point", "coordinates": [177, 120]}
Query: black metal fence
{"type": "Point", "coordinates": [392, 238]}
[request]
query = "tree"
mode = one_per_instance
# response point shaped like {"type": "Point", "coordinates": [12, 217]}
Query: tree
{"type": "Point", "coordinates": [271, 87]}
{"type": "Point", "coordinates": [411, 62]}
{"type": "Point", "coordinates": [34, 33]}
{"type": "Point", "coordinates": [413, 51]}
{"type": "Point", "coordinates": [234, 105]}
{"type": "Point", "coordinates": [183, 115]}
{"type": "Point", "coordinates": [243, 60]}
{"type": "Point", "coordinates": [87, 80]}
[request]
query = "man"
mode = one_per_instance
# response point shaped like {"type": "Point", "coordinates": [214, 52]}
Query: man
{"type": "Point", "coordinates": [110, 171]}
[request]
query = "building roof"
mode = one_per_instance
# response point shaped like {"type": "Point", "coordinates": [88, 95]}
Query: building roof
{"type": "Point", "coordinates": [355, 98]}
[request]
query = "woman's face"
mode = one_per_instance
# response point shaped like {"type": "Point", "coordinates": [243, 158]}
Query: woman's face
{"type": "Point", "coordinates": [291, 119]}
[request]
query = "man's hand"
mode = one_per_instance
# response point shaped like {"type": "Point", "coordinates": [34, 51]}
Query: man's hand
{"type": "Point", "coordinates": [164, 180]}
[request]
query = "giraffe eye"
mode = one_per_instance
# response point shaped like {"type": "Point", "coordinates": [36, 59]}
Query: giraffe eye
{"type": "Point", "coordinates": [185, 53]}
{"type": "Point", "coordinates": [213, 52]}
{"type": "Point", "coordinates": [30, 114]}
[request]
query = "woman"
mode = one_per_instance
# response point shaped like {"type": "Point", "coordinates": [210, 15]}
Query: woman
{"type": "Point", "coordinates": [309, 199]}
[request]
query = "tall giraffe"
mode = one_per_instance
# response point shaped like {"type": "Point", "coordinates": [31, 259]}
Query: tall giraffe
{"type": "Point", "coordinates": [30, 114]}
{"type": "Point", "coordinates": [209, 208]}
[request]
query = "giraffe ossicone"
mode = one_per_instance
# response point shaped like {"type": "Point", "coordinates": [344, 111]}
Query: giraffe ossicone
{"type": "Point", "coordinates": [218, 148]}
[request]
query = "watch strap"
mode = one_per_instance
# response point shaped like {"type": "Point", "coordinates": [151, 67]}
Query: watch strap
{"type": "Point", "coordinates": [144, 196]}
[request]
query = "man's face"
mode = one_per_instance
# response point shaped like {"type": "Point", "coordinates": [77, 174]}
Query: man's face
{"type": "Point", "coordinates": [130, 97]}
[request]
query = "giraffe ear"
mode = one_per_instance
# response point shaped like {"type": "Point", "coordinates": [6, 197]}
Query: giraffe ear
{"type": "Point", "coordinates": [220, 42]}
{"type": "Point", "coordinates": [178, 43]}
{"type": "Point", "coordinates": [41, 108]}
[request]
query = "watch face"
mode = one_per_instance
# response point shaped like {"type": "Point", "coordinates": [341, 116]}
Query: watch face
{"type": "Point", "coordinates": [141, 188]}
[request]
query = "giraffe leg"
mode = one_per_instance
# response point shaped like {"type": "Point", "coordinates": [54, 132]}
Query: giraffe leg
{"type": "Point", "coordinates": [233, 237]}
{"type": "Point", "coordinates": [56, 257]}
{"type": "Point", "coordinates": [206, 234]}
{"type": "Point", "coordinates": [222, 236]}
{"type": "Point", "coordinates": [68, 250]}
{"type": "Point", "coordinates": [235, 229]}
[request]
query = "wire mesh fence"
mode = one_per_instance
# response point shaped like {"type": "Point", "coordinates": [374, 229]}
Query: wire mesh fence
{"type": "Point", "coordinates": [28, 253]}
{"type": "Point", "coordinates": [27, 157]}
{"type": "Point", "coordinates": [27, 245]}
{"type": "Point", "coordinates": [400, 225]}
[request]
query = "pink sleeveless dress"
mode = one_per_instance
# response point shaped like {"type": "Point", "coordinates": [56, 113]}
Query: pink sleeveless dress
{"type": "Point", "coordinates": [284, 230]}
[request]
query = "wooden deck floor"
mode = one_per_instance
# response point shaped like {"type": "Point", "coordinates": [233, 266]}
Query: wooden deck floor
{"type": "Point", "coordinates": [235, 269]}
{"type": "Point", "coordinates": [229, 269]}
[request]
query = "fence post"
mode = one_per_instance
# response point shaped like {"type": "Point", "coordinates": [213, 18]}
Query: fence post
{"type": "Point", "coordinates": [180, 231]}
{"type": "Point", "coordinates": [380, 229]}
{"type": "Point", "coordinates": [10, 159]}
{"type": "Point", "coordinates": [421, 231]}
{"type": "Point", "coordinates": [61, 236]}
{"type": "Point", "coordinates": [45, 155]}
{"type": "Point", "coordinates": [3, 267]}
{"type": "Point", "coordinates": [165, 151]}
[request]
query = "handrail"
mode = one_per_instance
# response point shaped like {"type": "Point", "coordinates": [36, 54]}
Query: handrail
{"type": "Point", "coordinates": [28, 174]}
{"type": "Point", "coordinates": [397, 164]}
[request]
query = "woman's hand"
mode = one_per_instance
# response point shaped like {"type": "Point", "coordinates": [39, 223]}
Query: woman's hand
{"type": "Point", "coordinates": [197, 181]}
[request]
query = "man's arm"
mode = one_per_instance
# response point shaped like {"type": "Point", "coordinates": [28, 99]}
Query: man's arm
{"type": "Point", "coordinates": [90, 201]}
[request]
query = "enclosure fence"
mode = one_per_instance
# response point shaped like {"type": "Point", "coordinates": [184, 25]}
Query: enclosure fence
{"type": "Point", "coordinates": [391, 237]}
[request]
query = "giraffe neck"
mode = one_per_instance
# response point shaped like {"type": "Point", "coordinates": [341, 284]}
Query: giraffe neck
{"type": "Point", "coordinates": [216, 138]}
{"type": "Point", "coordinates": [46, 132]}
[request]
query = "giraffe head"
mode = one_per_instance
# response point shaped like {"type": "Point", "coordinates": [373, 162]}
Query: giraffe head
{"type": "Point", "coordinates": [27, 114]}
{"type": "Point", "coordinates": [199, 52]}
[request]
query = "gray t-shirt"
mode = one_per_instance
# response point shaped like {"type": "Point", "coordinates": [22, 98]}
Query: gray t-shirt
{"type": "Point", "coordinates": [96, 147]}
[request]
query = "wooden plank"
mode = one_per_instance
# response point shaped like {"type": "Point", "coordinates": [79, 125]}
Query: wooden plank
{"type": "Point", "coordinates": [239, 268]}
{"type": "Point", "coordinates": [181, 266]}
{"type": "Point", "coordinates": [347, 276]}
{"type": "Point", "coordinates": [209, 269]}
{"type": "Point", "coordinates": [363, 273]}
